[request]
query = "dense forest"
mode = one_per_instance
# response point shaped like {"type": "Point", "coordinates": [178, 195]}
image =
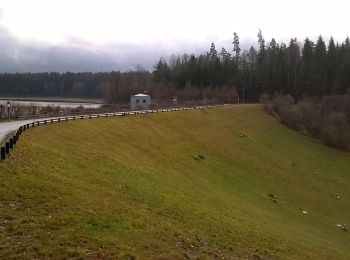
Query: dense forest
{"type": "Point", "coordinates": [111, 86]}
{"type": "Point", "coordinates": [297, 68]}
{"type": "Point", "coordinates": [308, 68]}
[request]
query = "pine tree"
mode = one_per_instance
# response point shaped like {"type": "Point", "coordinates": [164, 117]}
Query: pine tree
{"type": "Point", "coordinates": [273, 63]}
{"type": "Point", "coordinates": [262, 49]}
{"type": "Point", "coordinates": [236, 48]}
{"type": "Point", "coordinates": [332, 66]}
{"type": "Point", "coordinates": [320, 68]}
{"type": "Point", "coordinates": [307, 65]}
{"type": "Point", "coordinates": [344, 67]}
{"type": "Point", "coordinates": [293, 63]}
{"type": "Point", "coordinates": [252, 58]}
{"type": "Point", "coordinates": [223, 54]}
{"type": "Point", "coordinates": [212, 52]}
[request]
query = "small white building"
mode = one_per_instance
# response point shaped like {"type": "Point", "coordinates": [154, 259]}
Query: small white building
{"type": "Point", "coordinates": [140, 101]}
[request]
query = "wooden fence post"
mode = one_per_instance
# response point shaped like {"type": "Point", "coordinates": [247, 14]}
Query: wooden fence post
{"type": "Point", "coordinates": [3, 153]}
{"type": "Point", "coordinates": [7, 146]}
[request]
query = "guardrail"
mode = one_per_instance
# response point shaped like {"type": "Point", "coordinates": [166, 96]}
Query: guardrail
{"type": "Point", "coordinates": [8, 144]}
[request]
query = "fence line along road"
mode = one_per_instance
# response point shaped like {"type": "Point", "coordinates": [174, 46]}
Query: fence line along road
{"type": "Point", "coordinates": [11, 140]}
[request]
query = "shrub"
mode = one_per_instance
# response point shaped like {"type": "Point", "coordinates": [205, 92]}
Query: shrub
{"type": "Point", "coordinates": [292, 116]}
{"type": "Point", "coordinates": [264, 98]}
{"type": "Point", "coordinates": [327, 118]}
{"type": "Point", "coordinates": [336, 130]}
{"type": "Point", "coordinates": [153, 106]}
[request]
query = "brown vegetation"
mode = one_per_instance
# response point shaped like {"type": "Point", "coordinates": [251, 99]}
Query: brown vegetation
{"type": "Point", "coordinates": [326, 118]}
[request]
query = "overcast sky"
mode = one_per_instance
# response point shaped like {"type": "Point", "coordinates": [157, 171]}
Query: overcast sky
{"type": "Point", "coordinates": [99, 35]}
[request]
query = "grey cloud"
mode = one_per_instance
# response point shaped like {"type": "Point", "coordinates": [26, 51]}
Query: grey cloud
{"type": "Point", "coordinates": [19, 57]}
{"type": "Point", "coordinates": [77, 56]}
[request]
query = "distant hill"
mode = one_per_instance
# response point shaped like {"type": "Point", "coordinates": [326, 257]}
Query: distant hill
{"type": "Point", "coordinates": [215, 183]}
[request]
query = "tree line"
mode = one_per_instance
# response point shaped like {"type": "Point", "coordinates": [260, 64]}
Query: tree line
{"type": "Point", "coordinates": [307, 68]}
{"type": "Point", "coordinates": [297, 68]}
{"type": "Point", "coordinates": [112, 86]}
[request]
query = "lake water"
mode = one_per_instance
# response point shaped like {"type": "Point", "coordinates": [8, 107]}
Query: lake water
{"type": "Point", "coordinates": [51, 103]}
{"type": "Point", "coordinates": [6, 127]}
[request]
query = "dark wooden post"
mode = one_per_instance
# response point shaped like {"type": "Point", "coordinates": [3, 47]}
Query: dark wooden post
{"type": "Point", "coordinates": [7, 146]}
{"type": "Point", "coordinates": [3, 153]}
{"type": "Point", "coordinates": [11, 143]}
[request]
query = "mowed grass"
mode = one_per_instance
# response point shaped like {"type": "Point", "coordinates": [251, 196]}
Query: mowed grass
{"type": "Point", "coordinates": [129, 187]}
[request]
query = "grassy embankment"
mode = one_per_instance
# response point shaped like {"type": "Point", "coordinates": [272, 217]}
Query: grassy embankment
{"type": "Point", "coordinates": [130, 187]}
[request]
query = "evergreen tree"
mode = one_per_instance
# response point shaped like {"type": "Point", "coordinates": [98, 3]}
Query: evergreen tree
{"type": "Point", "coordinates": [307, 65]}
{"type": "Point", "coordinates": [212, 52]}
{"type": "Point", "coordinates": [236, 48]}
{"type": "Point", "coordinates": [344, 68]}
{"type": "Point", "coordinates": [262, 49]}
{"type": "Point", "coordinates": [223, 54]}
{"type": "Point", "coordinates": [320, 67]}
{"type": "Point", "coordinates": [273, 65]}
{"type": "Point", "coordinates": [332, 65]}
{"type": "Point", "coordinates": [293, 64]}
{"type": "Point", "coordinates": [252, 58]}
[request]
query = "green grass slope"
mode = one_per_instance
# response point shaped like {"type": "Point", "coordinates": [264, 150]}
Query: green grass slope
{"type": "Point", "coordinates": [129, 187]}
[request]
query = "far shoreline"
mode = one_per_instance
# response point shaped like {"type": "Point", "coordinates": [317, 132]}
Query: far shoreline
{"type": "Point", "coordinates": [56, 99]}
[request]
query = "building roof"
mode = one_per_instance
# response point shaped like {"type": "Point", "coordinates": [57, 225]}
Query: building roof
{"type": "Point", "coordinates": [141, 95]}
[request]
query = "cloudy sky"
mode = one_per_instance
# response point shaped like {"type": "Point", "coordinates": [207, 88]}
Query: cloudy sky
{"type": "Point", "coordinates": [99, 35]}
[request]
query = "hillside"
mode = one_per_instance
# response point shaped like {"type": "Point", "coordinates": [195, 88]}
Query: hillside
{"type": "Point", "coordinates": [133, 187]}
